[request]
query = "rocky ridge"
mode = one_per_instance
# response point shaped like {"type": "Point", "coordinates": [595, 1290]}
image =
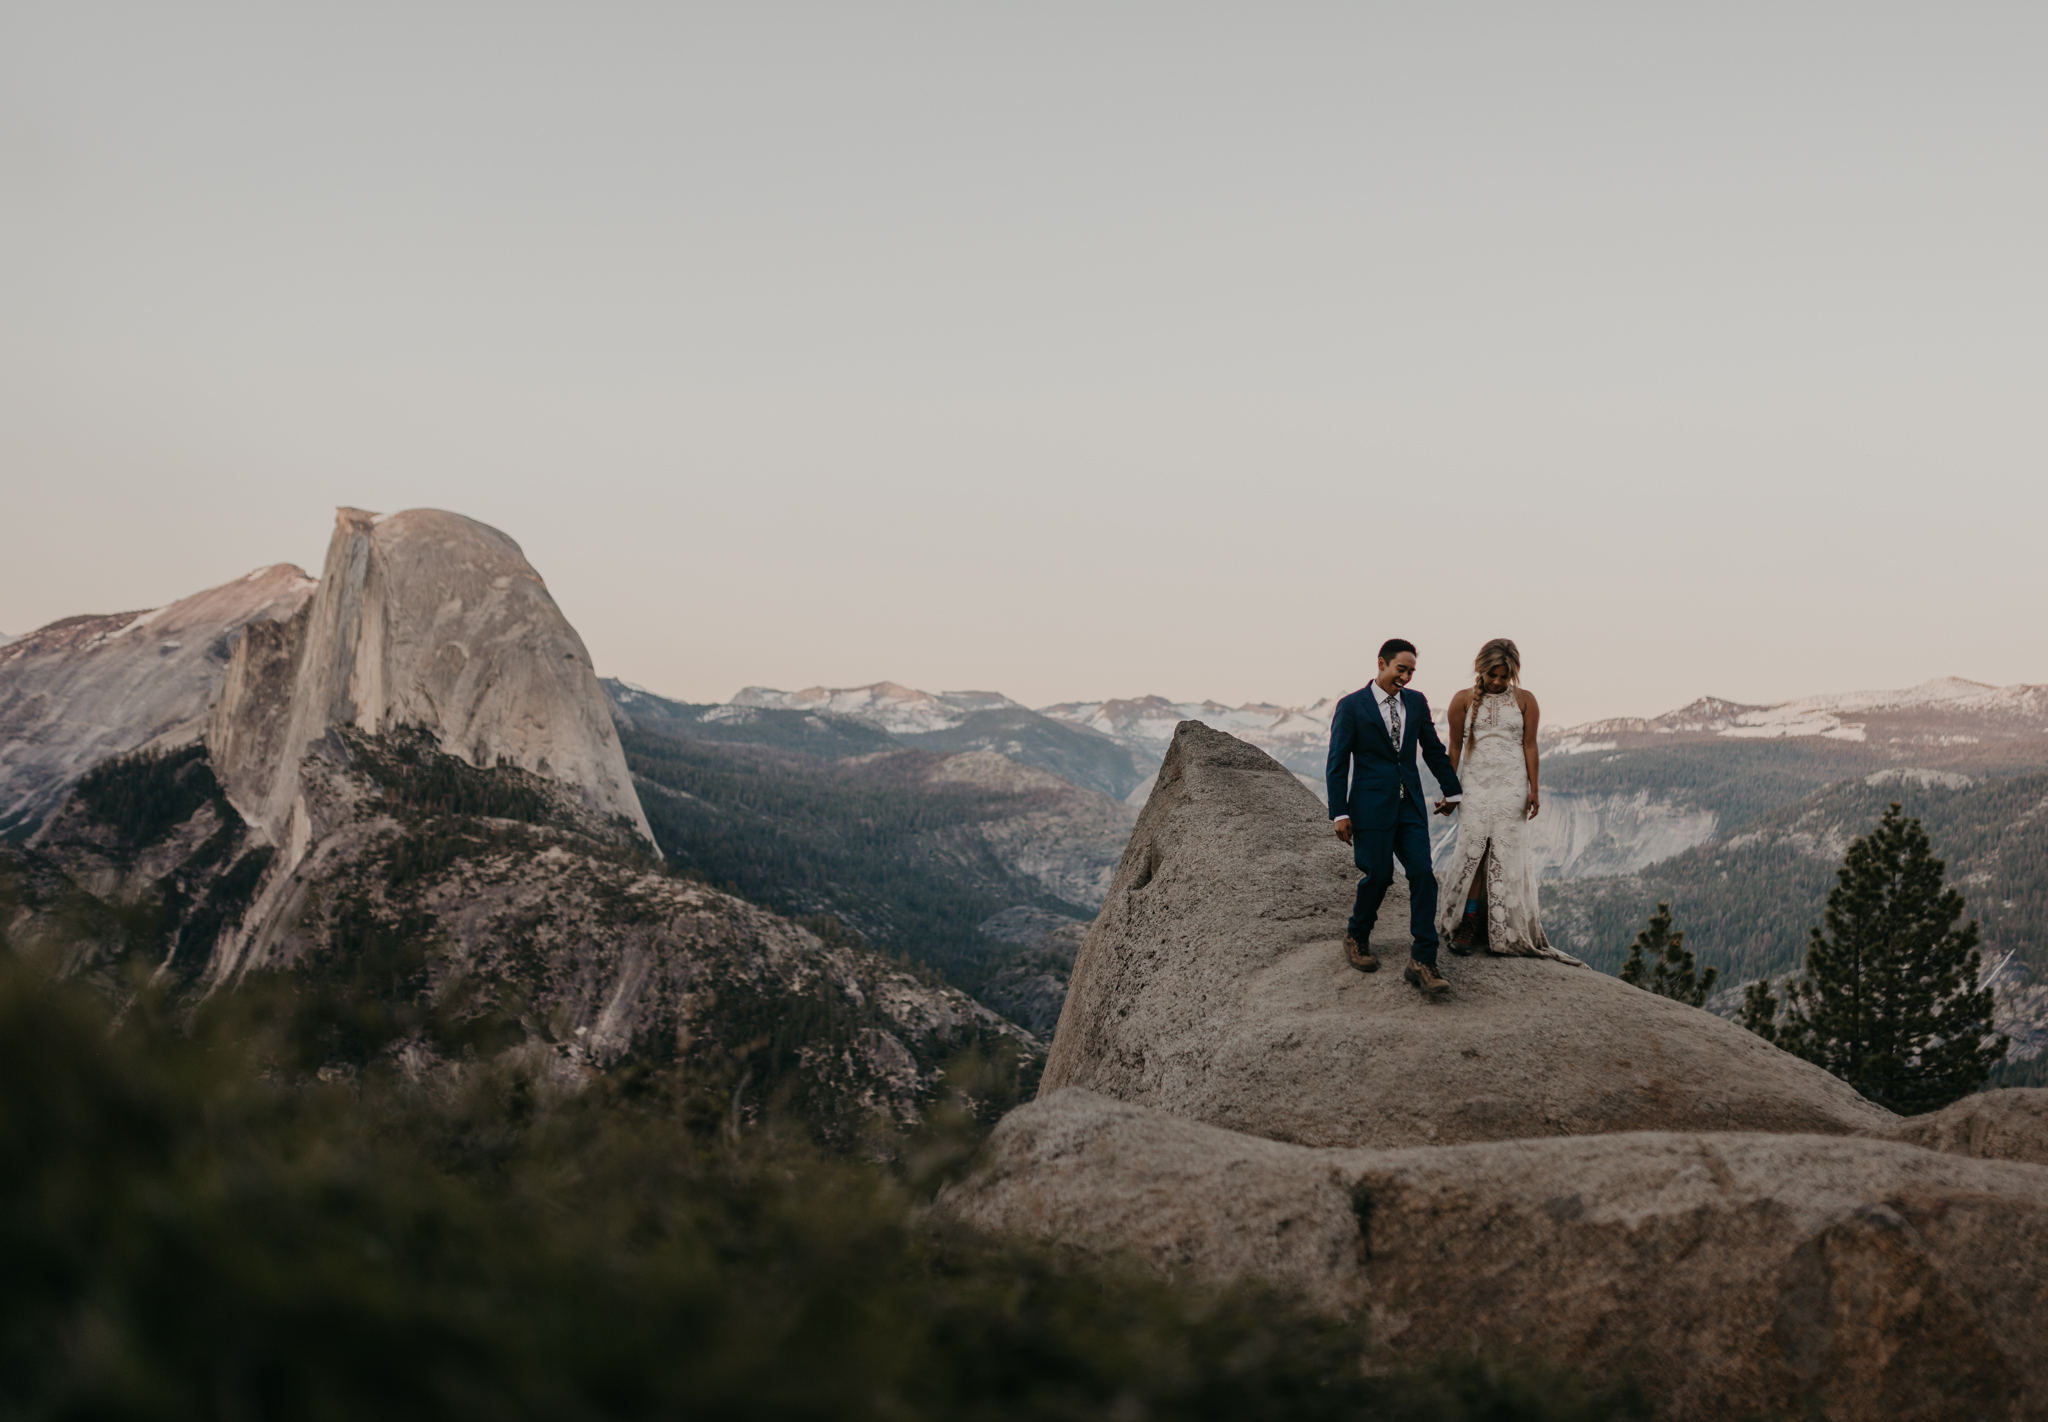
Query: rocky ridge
{"type": "Point", "coordinates": [1296, 736]}
{"type": "Point", "coordinates": [1945, 711]}
{"type": "Point", "coordinates": [894, 708]}
{"type": "Point", "coordinates": [86, 688]}
{"type": "Point", "coordinates": [948, 722]}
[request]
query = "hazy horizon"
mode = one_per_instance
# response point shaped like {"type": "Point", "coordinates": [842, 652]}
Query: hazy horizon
{"type": "Point", "coordinates": [1423, 683]}
{"type": "Point", "coordinates": [1064, 352]}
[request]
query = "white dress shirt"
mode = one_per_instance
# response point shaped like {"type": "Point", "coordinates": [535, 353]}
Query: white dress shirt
{"type": "Point", "coordinates": [1385, 701]}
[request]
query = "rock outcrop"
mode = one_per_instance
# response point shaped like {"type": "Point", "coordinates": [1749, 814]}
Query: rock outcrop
{"type": "Point", "coordinates": [1992, 1125]}
{"type": "Point", "coordinates": [1757, 1274]}
{"type": "Point", "coordinates": [1546, 1162]}
{"type": "Point", "coordinates": [83, 689]}
{"type": "Point", "coordinates": [1213, 986]}
{"type": "Point", "coordinates": [423, 620]}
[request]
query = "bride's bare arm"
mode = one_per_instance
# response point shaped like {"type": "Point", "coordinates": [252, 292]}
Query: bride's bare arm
{"type": "Point", "coordinates": [1459, 704]}
{"type": "Point", "coordinates": [1531, 714]}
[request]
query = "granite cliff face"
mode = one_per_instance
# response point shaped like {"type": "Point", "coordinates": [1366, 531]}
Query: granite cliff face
{"type": "Point", "coordinates": [86, 688]}
{"type": "Point", "coordinates": [423, 620]}
{"type": "Point", "coordinates": [1579, 835]}
{"type": "Point", "coordinates": [1548, 1160]}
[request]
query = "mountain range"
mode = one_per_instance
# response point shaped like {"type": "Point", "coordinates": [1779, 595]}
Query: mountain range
{"type": "Point", "coordinates": [961, 831]}
{"type": "Point", "coordinates": [1143, 726]}
{"type": "Point", "coordinates": [392, 819]}
{"type": "Point", "coordinates": [1956, 718]}
{"type": "Point", "coordinates": [1619, 793]}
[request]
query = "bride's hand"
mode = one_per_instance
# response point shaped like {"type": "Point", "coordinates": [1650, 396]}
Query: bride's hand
{"type": "Point", "coordinates": [1534, 805]}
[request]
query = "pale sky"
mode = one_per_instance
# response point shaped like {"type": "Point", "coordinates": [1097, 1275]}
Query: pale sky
{"type": "Point", "coordinates": [1064, 350]}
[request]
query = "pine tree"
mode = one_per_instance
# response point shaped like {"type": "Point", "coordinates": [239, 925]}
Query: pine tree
{"type": "Point", "coordinates": [1889, 1000]}
{"type": "Point", "coordinates": [1760, 1010]}
{"type": "Point", "coordinates": [1672, 976]}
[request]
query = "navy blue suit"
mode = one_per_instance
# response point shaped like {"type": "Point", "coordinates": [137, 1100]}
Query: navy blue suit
{"type": "Point", "coordinates": [1381, 790]}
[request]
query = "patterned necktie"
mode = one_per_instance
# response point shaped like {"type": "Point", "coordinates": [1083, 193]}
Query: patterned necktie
{"type": "Point", "coordinates": [1394, 710]}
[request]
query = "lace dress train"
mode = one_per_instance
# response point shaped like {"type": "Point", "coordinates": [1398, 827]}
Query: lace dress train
{"type": "Point", "coordinates": [1496, 783]}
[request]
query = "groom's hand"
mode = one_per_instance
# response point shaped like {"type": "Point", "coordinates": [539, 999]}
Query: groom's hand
{"type": "Point", "coordinates": [1344, 830]}
{"type": "Point", "coordinates": [1445, 807]}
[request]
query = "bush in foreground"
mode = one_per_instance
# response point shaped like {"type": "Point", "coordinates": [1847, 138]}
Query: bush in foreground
{"type": "Point", "coordinates": [185, 1235]}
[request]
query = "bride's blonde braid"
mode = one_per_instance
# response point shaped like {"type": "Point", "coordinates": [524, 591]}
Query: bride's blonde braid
{"type": "Point", "coordinates": [1501, 651]}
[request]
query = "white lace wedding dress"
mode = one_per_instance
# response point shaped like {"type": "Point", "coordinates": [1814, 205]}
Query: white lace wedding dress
{"type": "Point", "coordinates": [1495, 778]}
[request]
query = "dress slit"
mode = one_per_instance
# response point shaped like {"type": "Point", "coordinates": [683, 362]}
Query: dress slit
{"type": "Point", "coordinates": [1493, 837]}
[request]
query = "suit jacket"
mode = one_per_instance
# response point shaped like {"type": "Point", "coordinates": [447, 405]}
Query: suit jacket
{"type": "Point", "coordinates": [1367, 774]}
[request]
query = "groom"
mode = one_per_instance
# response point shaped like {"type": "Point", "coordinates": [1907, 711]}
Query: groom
{"type": "Point", "coordinates": [1378, 813]}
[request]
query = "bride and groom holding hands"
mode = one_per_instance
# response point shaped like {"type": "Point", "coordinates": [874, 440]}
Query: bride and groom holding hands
{"type": "Point", "coordinates": [1489, 780]}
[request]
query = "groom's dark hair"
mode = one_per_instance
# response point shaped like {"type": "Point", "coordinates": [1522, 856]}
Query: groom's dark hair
{"type": "Point", "coordinates": [1394, 646]}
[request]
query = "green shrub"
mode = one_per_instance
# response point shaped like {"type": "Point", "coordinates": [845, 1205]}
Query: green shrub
{"type": "Point", "coordinates": [187, 1235]}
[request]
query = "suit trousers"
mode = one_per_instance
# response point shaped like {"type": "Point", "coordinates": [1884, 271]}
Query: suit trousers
{"type": "Point", "coordinates": [1375, 852]}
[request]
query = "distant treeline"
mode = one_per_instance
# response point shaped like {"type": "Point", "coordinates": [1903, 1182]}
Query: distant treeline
{"type": "Point", "coordinates": [420, 779]}
{"type": "Point", "coordinates": [144, 796]}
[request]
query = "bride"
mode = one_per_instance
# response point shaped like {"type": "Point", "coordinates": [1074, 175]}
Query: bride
{"type": "Point", "coordinates": [1493, 749]}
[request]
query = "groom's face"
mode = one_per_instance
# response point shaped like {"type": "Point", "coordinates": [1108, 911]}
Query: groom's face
{"type": "Point", "coordinates": [1399, 672]}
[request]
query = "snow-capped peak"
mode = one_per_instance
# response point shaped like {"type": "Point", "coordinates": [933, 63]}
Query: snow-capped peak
{"type": "Point", "coordinates": [1935, 708]}
{"type": "Point", "coordinates": [1145, 723]}
{"type": "Point", "coordinates": [892, 706]}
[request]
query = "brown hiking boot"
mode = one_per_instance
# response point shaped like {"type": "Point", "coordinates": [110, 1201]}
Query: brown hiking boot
{"type": "Point", "coordinates": [1469, 934]}
{"type": "Point", "coordinates": [1424, 976]}
{"type": "Point", "coordinates": [1360, 956]}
